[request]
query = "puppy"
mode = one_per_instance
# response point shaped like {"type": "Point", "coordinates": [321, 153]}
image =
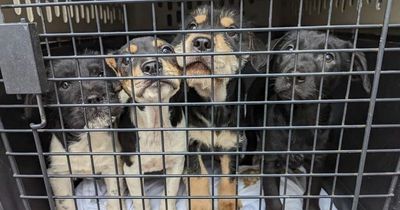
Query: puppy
{"type": "Point", "coordinates": [215, 90]}
{"type": "Point", "coordinates": [94, 92]}
{"type": "Point", "coordinates": [305, 88]}
{"type": "Point", "coordinates": [150, 117]}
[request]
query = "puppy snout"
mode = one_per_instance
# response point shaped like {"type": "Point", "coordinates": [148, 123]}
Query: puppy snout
{"type": "Point", "coordinates": [202, 44]}
{"type": "Point", "coordinates": [152, 67]}
{"type": "Point", "coordinates": [95, 99]}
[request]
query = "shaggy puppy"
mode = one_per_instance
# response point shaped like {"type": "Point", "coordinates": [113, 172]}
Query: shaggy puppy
{"type": "Point", "coordinates": [92, 92]}
{"type": "Point", "coordinates": [304, 114]}
{"type": "Point", "coordinates": [224, 89]}
{"type": "Point", "coordinates": [151, 90]}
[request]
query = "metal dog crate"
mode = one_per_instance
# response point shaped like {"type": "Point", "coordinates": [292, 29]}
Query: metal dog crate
{"type": "Point", "coordinates": [365, 167]}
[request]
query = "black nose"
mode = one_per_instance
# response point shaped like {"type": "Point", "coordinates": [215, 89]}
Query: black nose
{"type": "Point", "coordinates": [94, 99]}
{"type": "Point", "coordinates": [202, 44]}
{"type": "Point", "coordinates": [151, 67]}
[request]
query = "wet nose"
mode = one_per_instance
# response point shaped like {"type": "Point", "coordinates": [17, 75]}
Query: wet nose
{"type": "Point", "coordinates": [94, 99]}
{"type": "Point", "coordinates": [151, 67]}
{"type": "Point", "coordinates": [202, 44]}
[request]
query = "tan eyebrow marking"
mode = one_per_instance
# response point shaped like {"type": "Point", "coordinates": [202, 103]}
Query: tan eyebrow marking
{"type": "Point", "coordinates": [159, 42]}
{"type": "Point", "coordinates": [226, 21]}
{"type": "Point", "coordinates": [200, 19]}
{"type": "Point", "coordinates": [132, 48]}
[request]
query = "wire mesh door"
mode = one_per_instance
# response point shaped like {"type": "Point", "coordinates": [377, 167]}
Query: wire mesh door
{"type": "Point", "coordinates": [201, 104]}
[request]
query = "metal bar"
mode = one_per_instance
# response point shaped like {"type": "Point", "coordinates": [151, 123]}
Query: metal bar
{"type": "Point", "coordinates": [378, 68]}
{"type": "Point", "coordinates": [214, 53]}
{"type": "Point", "coordinates": [353, 151]}
{"type": "Point", "coordinates": [215, 197]}
{"type": "Point", "coordinates": [14, 167]}
{"type": "Point", "coordinates": [371, 174]}
{"type": "Point", "coordinates": [39, 150]}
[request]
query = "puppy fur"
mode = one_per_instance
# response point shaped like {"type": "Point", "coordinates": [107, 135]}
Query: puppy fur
{"type": "Point", "coordinates": [305, 88]}
{"type": "Point", "coordinates": [215, 90]}
{"type": "Point", "coordinates": [94, 92]}
{"type": "Point", "coordinates": [150, 117]}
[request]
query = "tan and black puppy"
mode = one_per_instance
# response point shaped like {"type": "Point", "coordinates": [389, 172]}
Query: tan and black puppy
{"type": "Point", "coordinates": [215, 90]}
{"type": "Point", "coordinates": [148, 90]}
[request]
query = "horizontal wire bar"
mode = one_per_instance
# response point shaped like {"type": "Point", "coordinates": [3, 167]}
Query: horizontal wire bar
{"type": "Point", "coordinates": [267, 52]}
{"type": "Point", "coordinates": [80, 197]}
{"type": "Point", "coordinates": [206, 153]}
{"type": "Point", "coordinates": [296, 127]}
{"type": "Point", "coordinates": [205, 175]}
{"type": "Point", "coordinates": [43, 4]}
{"type": "Point", "coordinates": [324, 101]}
{"type": "Point", "coordinates": [187, 31]}
{"type": "Point", "coordinates": [192, 128]}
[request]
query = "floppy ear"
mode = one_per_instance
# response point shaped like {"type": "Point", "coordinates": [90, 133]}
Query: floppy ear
{"type": "Point", "coordinates": [257, 60]}
{"type": "Point", "coordinates": [360, 64]}
{"type": "Point", "coordinates": [275, 43]}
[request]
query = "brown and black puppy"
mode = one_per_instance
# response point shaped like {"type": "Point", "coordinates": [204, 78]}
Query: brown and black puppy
{"type": "Point", "coordinates": [215, 90]}
{"type": "Point", "coordinates": [149, 90]}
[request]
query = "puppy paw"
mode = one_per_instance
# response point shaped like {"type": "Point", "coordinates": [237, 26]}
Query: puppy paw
{"type": "Point", "coordinates": [65, 204]}
{"type": "Point", "coordinates": [200, 204]}
{"type": "Point", "coordinates": [229, 204]}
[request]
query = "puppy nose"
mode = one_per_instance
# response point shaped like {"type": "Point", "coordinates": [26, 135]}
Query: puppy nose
{"type": "Point", "coordinates": [94, 99]}
{"type": "Point", "coordinates": [151, 67]}
{"type": "Point", "coordinates": [202, 44]}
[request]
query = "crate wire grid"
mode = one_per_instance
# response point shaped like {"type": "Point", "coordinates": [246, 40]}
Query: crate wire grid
{"type": "Point", "coordinates": [36, 129]}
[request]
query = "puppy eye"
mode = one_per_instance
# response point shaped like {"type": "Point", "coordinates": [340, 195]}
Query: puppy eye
{"type": "Point", "coordinates": [300, 79]}
{"type": "Point", "coordinates": [65, 85]}
{"type": "Point", "coordinates": [167, 49]}
{"type": "Point", "coordinates": [192, 25]}
{"type": "Point", "coordinates": [231, 33]}
{"type": "Point", "coordinates": [126, 60]}
{"type": "Point", "coordinates": [329, 57]}
{"type": "Point", "coordinates": [290, 47]}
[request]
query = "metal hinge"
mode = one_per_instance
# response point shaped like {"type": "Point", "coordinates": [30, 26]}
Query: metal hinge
{"type": "Point", "coordinates": [21, 59]}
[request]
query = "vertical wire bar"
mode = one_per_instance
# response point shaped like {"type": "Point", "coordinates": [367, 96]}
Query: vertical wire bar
{"type": "Point", "coordinates": [319, 106]}
{"type": "Point", "coordinates": [98, 26]}
{"type": "Point", "coordinates": [39, 150]}
{"type": "Point", "coordinates": [263, 138]}
{"type": "Point", "coordinates": [44, 28]}
{"type": "Point", "coordinates": [289, 142]}
{"type": "Point", "coordinates": [160, 108]}
{"type": "Point", "coordinates": [126, 25]}
{"type": "Point", "coordinates": [392, 187]}
{"type": "Point", "coordinates": [348, 87]}
{"type": "Point", "coordinates": [238, 107]}
{"type": "Point", "coordinates": [185, 89]}
{"type": "Point", "coordinates": [14, 167]}
{"type": "Point", "coordinates": [212, 106]}
{"type": "Point", "coordinates": [367, 132]}
{"type": "Point", "coordinates": [71, 28]}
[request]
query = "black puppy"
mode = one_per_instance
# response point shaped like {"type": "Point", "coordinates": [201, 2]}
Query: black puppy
{"type": "Point", "coordinates": [215, 90]}
{"type": "Point", "coordinates": [305, 88]}
{"type": "Point", "coordinates": [92, 92]}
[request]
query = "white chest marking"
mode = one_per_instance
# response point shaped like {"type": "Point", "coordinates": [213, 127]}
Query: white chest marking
{"type": "Point", "coordinates": [158, 141]}
{"type": "Point", "coordinates": [81, 164]}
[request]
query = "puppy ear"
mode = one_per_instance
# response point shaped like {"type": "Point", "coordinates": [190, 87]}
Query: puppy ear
{"type": "Point", "coordinates": [360, 64]}
{"type": "Point", "coordinates": [257, 60]}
